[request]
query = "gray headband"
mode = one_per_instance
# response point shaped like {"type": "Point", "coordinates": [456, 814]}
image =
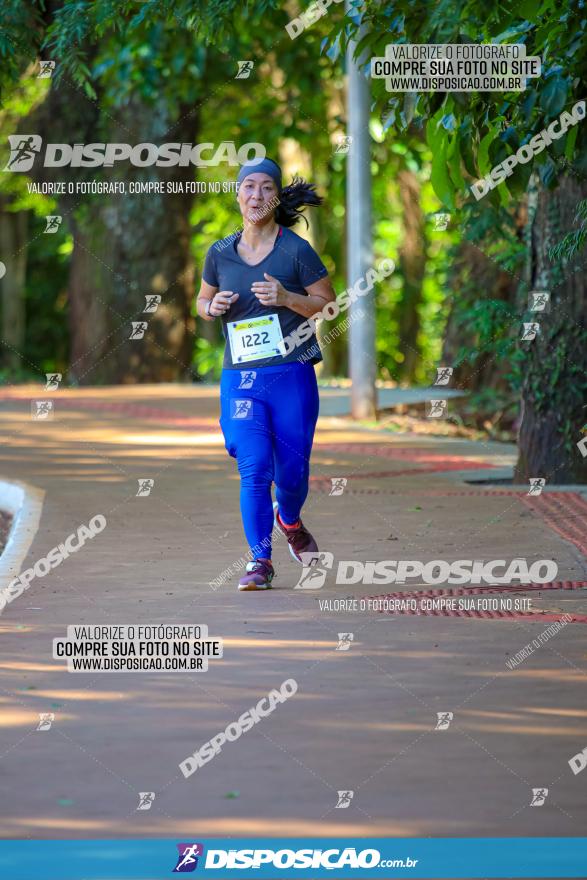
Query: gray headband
{"type": "Point", "coordinates": [265, 166]}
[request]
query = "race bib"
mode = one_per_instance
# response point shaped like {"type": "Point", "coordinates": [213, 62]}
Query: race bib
{"type": "Point", "coordinates": [255, 338]}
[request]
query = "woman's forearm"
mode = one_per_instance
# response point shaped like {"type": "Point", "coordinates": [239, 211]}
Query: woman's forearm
{"type": "Point", "coordinates": [305, 304]}
{"type": "Point", "coordinates": [201, 309]}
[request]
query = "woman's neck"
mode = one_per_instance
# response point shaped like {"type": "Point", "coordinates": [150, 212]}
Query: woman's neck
{"type": "Point", "coordinates": [255, 236]}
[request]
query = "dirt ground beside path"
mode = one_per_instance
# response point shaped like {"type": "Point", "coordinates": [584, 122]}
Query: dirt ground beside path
{"type": "Point", "coordinates": [363, 719]}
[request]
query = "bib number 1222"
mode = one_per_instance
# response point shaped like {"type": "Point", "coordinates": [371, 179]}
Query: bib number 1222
{"type": "Point", "coordinates": [250, 340]}
{"type": "Point", "coordinates": [255, 339]}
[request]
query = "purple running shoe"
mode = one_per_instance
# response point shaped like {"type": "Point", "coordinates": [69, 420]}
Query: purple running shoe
{"type": "Point", "coordinates": [259, 574]}
{"type": "Point", "coordinates": [299, 538]}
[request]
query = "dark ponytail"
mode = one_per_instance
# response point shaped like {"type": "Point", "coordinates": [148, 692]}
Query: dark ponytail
{"type": "Point", "coordinates": [292, 198]}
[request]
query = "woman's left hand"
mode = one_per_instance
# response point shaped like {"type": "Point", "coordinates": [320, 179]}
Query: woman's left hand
{"type": "Point", "coordinates": [270, 292]}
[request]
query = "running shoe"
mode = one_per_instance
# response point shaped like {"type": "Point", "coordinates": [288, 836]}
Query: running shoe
{"type": "Point", "coordinates": [299, 539]}
{"type": "Point", "coordinates": [259, 574]}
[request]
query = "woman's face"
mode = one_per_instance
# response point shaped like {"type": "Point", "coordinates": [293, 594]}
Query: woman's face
{"type": "Point", "coordinates": [257, 198]}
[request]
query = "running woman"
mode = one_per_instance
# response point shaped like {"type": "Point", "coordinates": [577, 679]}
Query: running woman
{"type": "Point", "coordinates": [263, 282]}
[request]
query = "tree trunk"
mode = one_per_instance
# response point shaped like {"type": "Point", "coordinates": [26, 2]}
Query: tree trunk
{"type": "Point", "coordinates": [126, 246]}
{"type": "Point", "coordinates": [412, 259]}
{"type": "Point", "coordinates": [484, 374]}
{"type": "Point", "coordinates": [555, 367]}
{"type": "Point", "coordinates": [13, 249]}
{"type": "Point", "coordinates": [137, 246]}
{"type": "Point", "coordinates": [474, 274]}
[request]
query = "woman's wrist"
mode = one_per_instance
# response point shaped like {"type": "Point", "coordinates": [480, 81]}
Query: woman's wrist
{"type": "Point", "coordinates": [205, 310]}
{"type": "Point", "coordinates": [302, 304]}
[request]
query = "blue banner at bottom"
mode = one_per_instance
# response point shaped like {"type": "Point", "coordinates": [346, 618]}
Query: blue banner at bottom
{"type": "Point", "coordinates": [273, 858]}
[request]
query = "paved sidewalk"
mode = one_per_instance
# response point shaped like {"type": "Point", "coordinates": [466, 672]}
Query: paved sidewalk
{"type": "Point", "coordinates": [337, 401]}
{"type": "Point", "coordinates": [363, 719]}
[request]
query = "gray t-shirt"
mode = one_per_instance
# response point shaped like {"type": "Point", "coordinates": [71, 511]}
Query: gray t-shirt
{"type": "Point", "coordinates": [293, 262]}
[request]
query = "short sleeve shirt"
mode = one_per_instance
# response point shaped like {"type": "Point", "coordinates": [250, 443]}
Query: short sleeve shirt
{"type": "Point", "coordinates": [293, 262]}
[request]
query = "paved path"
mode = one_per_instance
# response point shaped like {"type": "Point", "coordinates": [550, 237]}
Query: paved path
{"type": "Point", "coordinates": [362, 720]}
{"type": "Point", "coordinates": [337, 401]}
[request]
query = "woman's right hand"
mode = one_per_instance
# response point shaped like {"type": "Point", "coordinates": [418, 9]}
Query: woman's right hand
{"type": "Point", "coordinates": [221, 302]}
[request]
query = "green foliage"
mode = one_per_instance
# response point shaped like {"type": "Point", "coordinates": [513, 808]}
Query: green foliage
{"type": "Point", "coordinates": [182, 55]}
{"type": "Point", "coordinates": [467, 132]}
{"type": "Point", "coordinates": [46, 347]}
{"type": "Point", "coordinates": [47, 337]}
{"type": "Point", "coordinates": [391, 157]}
{"type": "Point", "coordinates": [23, 99]}
{"type": "Point", "coordinates": [207, 360]}
{"type": "Point", "coordinates": [563, 379]}
{"type": "Point", "coordinates": [573, 242]}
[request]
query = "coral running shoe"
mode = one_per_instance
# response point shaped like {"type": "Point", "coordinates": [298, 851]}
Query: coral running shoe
{"type": "Point", "coordinates": [298, 537]}
{"type": "Point", "coordinates": [258, 576]}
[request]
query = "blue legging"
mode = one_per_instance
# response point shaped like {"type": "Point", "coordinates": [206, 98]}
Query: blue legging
{"type": "Point", "coordinates": [268, 418]}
